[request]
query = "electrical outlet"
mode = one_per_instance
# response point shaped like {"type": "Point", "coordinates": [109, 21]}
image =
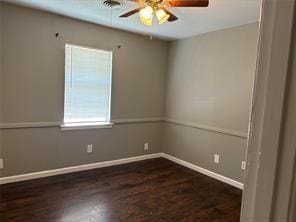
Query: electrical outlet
{"type": "Point", "coordinates": [216, 158]}
{"type": "Point", "coordinates": [1, 164]}
{"type": "Point", "coordinates": [89, 148]}
{"type": "Point", "coordinates": [146, 146]}
{"type": "Point", "coordinates": [244, 165]}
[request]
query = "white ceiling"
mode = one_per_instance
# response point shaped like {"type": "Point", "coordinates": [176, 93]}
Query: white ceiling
{"type": "Point", "coordinates": [192, 21]}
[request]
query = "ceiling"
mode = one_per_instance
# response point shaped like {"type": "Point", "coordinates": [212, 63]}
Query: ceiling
{"type": "Point", "coordinates": [192, 21]}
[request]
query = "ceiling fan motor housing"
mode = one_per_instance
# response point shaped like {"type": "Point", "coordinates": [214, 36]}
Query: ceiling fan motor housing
{"type": "Point", "coordinates": [114, 4]}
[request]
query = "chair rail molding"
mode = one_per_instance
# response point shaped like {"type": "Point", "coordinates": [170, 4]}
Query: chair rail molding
{"type": "Point", "coordinates": [208, 128]}
{"type": "Point", "coordinates": [225, 131]}
{"type": "Point", "coordinates": [58, 124]}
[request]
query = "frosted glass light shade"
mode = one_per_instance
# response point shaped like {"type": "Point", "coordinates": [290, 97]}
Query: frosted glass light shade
{"type": "Point", "coordinates": [146, 15]}
{"type": "Point", "coordinates": [162, 16]}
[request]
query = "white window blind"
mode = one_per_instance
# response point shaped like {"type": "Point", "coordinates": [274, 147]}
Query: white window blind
{"type": "Point", "coordinates": [88, 74]}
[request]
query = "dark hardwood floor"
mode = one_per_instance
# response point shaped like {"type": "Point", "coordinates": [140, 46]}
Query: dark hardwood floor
{"type": "Point", "coordinates": [151, 190]}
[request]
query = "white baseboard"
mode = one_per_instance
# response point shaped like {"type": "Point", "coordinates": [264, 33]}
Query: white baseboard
{"type": "Point", "coordinates": [47, 173]}
{"type": "Point", "coordinates": [204, 171]}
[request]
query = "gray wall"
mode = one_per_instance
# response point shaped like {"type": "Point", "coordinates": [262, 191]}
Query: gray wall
{"type": "Point", "coordinates": [33, 76]}
{"type": "Point", "coordinates": [38, 149]}
{"type": "Point", "coordinates": [209, 85]}
{"type": "Point", "coordinates": [34, 87]}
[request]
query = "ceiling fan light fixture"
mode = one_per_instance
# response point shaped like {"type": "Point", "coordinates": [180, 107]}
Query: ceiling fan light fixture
{"type": "Point", "coordinates": [160, 8]}
{"type": "Point", "coordinates": [146, 15]}
{"type": "Point", "coordinates": [162, 16]}
{"type": "Point", "coordinates": [147, 22]}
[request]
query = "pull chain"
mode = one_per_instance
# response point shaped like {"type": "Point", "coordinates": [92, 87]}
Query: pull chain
{"type": "Point", "coordinates": [111, 14]}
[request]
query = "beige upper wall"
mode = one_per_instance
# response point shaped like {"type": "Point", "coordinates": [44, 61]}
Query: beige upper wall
{"type": "Point", "coordinates": [210, 78]}
{"type": "Point", "coordinates": [34, 88]}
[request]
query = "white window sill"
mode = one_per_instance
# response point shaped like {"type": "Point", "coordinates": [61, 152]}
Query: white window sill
{"type": "Point", "coordinates": [81, 126]}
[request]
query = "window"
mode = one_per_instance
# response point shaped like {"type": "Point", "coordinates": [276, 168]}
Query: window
{"type": "Point", "coordinates": [88, 74]}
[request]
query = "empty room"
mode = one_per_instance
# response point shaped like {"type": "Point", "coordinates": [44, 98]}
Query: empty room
{"type": "Point", "coordinates": [128, 110]}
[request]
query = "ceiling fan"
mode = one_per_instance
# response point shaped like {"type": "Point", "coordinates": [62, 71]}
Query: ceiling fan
{"type": "Point", "coordinates": [148, 8]}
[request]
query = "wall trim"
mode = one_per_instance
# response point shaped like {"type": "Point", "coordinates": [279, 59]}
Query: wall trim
{"type": "Point", "coordinates": [204, 171]}
{"type": "Point", "coordinates": [29, 125]}
{"type": "Point", "coordinates": [58, 124]}
{"type": "Point", "coordinates": [137, 120]}
{"type": "Point", "coordinates": [130, 121]}
{"type": "Point", "coordinates": [72, 169]}
{"type": "Point", "coordinates": [208, 128]}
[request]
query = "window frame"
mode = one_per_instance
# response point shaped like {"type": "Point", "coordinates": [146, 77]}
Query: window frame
{"type": "Point", "coordinates": [88, 124]}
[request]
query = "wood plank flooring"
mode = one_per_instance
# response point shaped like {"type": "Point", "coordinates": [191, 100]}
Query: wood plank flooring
{"type": "Point", "coordinates": [155, 190]}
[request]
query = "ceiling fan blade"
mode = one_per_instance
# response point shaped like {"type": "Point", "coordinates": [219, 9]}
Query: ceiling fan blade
{"type": "Point", "coordinates": [172, 17]}
{"type": "Point", "coordinates": [188, 3]}
{"type": "Point", "coordinates": [130, 13]}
